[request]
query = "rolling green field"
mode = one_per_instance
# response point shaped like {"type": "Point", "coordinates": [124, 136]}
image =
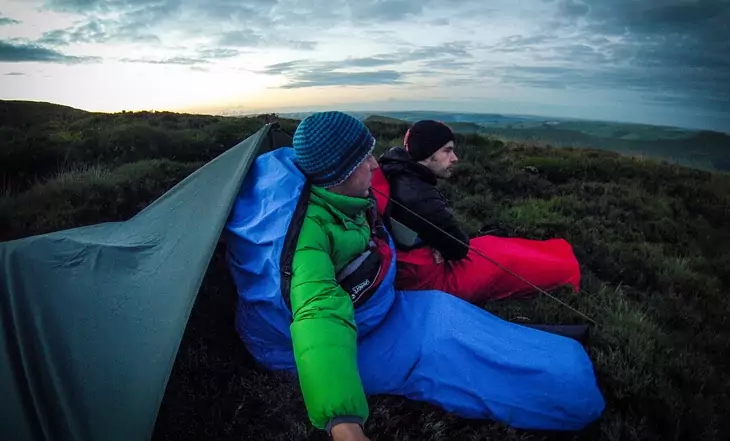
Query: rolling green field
{"type": "Point", "coordinates": [599, 129]}
{"type": "Point", "coordinates": [706, 150]}
{"type": "Point", "coordinates": [635, 132]}
{"type": "Point", "coordinates": [653, 240]}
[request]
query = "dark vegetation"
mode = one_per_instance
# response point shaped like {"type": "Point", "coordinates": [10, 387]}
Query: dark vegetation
{"type": "Point", "coordinates": [653, 240]}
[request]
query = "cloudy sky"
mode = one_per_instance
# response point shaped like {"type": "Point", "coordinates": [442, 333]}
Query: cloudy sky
{"type": "Point", "coordinates": [655, 61]}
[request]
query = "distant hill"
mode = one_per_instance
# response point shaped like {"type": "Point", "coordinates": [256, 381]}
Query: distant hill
{"type": "Point", "coordinates": [704, 150]}
{"type": "Point", "coordinates": [465, 127]}
{"type": "Point", "coordinates": [24, 113]}
{"type": "Point", "coordinates": [447, 117]}
{"type": "Point", "coordinates": [700, 149]}
{"type": "Point", "coordinates": [39, 139]}
{"type": "Point", "coordinates": [383, 119]}
{"type": "Point", "coordinates": [452, 117]}
{"type": "Point", "coordinates": [458, 127]}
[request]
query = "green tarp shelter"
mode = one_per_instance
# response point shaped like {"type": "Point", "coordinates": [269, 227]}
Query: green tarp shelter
{"type": "Point", "coordinates": [92, 317]}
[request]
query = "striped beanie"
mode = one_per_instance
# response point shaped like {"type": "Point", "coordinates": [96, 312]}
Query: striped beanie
{"type": "Point", "coordinates": [329, 146]}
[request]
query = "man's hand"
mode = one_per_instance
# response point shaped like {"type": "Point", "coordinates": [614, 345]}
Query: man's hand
{"type": "Point", "coordinates": [348, 432]}
{"type": "Point", "coordinates": [437, 257]}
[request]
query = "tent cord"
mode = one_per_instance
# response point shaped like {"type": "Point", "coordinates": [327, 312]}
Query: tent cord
{"type": "Point", "coordinates": [487, 258]}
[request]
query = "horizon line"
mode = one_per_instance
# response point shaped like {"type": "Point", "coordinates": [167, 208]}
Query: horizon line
{"type": "Point", "coordinates": [232, 112]}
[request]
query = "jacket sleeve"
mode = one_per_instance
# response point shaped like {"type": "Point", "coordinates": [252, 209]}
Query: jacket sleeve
{"type": "Point", "coordinates": [432, 207]}
{"type": "Point", "coordinates": [324, 334]}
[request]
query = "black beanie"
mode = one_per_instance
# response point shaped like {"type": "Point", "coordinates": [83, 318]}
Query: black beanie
{"type": "Point", "coordinates": [425, 137]}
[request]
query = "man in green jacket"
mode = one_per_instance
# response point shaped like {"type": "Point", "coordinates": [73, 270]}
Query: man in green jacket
{"type": "Point", "coordinates": [334, 151]}
{"type": "Point", "coordinates": [353, 334]}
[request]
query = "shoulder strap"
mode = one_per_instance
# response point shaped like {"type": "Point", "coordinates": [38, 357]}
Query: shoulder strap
{"type": "Point", "coordinates": [290, 243]}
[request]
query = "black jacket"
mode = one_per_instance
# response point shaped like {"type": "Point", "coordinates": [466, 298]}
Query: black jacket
{"type": "Point", "coordinates": [414, 186]}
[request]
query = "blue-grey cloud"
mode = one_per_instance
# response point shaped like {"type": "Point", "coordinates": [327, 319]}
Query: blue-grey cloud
{"type": "Point", "coordinates": [317, 79]}
{"type": "Point", "coordinates": [521, 42]}
{"type": "Point", "coordinates": [281, 68]}
{"type": "Point", "coordinates": [653, 48]}
{"type": "Point", "coordinates": [144, 15]}
{"type": "Point", "coordinates": [296, 67]}
{"type": "Point", "coordinates": [656, 16]}
{"type": "Point", "coordinates": [202, 56]}
{"type": "Point", "coordinates": [14, 74]}
{"type": "Point", "coordinates": [113, 20]}
{"type": "Point", "coordinates": [251, 13]}
{"type": "Point", "coordinates": [585, 54]}
{"type": "Point", "coordinates": [218, 53]}
{"type": "Point", "coordinates": [18, 53]}
{"type": "Point", "coordinates": [377, 61]}
{"type": "Point", "coordinates": [656, 88]}
{"type": "Point", "coordinates": [448, 66]}
{"type": "Point", "coordinates": [446, 57]}
{"type": "Point", "coordinates": [458, 49]}
{"type": "Point", "coordinates": [252, 38]}
{"type": "Point", "coordinates": [107, 6]}
{"type": "Point", "coordinates": [385, 10]}
{"type": "Point", "coordinates": [362, 13]}
{"type": "Point", "coordinates": [8, 21]}
{"type": "Point", "coordinates": [256, 23]}
{"type": "Point", "coordinates": [307, 73]}
{"type": "Point", "coordinates": [98, 31]}
{"type": "Point", "coordinates": [243, 37]}
{"type": "Point", "coordinates": [573, 8]}
{"type": "Point", "coordinates": [457, 82]}
{"type": "Point", "coordinates": [253, 21]}
{"type": "Point", "coordinates": [663, 46]}
{"type": "Point", "coordinates": [180, 61]}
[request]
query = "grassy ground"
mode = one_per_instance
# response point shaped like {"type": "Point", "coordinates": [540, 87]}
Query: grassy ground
{"type": "Point", "coordinates": [652, 241]}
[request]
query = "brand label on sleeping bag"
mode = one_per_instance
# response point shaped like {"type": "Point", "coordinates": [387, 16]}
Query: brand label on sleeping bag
{"type": "Point", "coordinates": [358, 288]}
{"type": "Point", "coordinates": [363, 275]}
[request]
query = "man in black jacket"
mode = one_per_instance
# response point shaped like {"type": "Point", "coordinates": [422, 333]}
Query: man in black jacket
{"type": "Point", "coordinates": [413, 172]}
{"type": "Point", "coordinates": [433, 252]}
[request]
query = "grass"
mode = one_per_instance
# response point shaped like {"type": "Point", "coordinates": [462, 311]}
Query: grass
{"type": "Point", "coordinates": [88, 195]}
{"type": "Point", "coordinates": [652, 240]}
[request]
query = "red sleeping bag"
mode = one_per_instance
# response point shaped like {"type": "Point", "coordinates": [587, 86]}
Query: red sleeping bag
{"type": "Point", "coordinates": [547, 264]}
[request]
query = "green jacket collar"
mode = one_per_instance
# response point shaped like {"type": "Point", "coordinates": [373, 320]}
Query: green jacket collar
{"type": "Point", "coordinates": [345, 208]}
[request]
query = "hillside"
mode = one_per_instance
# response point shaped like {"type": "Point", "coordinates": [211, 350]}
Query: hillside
{"type": "Point", "coordinates": [457, 127]}
{"type": "Point", "coordinates": [41, 140]}
{"type": "Point", "coordinates": [29, 113]}
{"type": "Point", "coordinates": [652, 240]}
{"type": "Point", "coordinates": [382, 119]}
{"type": "Point", "coordinates": [705, 150]}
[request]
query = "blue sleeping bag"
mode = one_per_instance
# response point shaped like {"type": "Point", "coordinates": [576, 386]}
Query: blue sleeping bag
{"type": "Point", "coordinates": [427, 346]}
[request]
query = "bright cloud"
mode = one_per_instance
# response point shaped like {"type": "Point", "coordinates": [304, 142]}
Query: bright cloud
{"type": "Point", "coordinates": [665, 62]}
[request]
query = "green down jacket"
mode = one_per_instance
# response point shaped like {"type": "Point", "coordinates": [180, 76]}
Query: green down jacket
{"type": "Point", "coordinates": [334, 231]}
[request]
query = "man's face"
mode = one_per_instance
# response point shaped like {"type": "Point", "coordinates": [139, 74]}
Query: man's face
{"type": "Point", "coordinates": [442, 162]}
{"type": "Point", "coordinates": [358, 184]}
